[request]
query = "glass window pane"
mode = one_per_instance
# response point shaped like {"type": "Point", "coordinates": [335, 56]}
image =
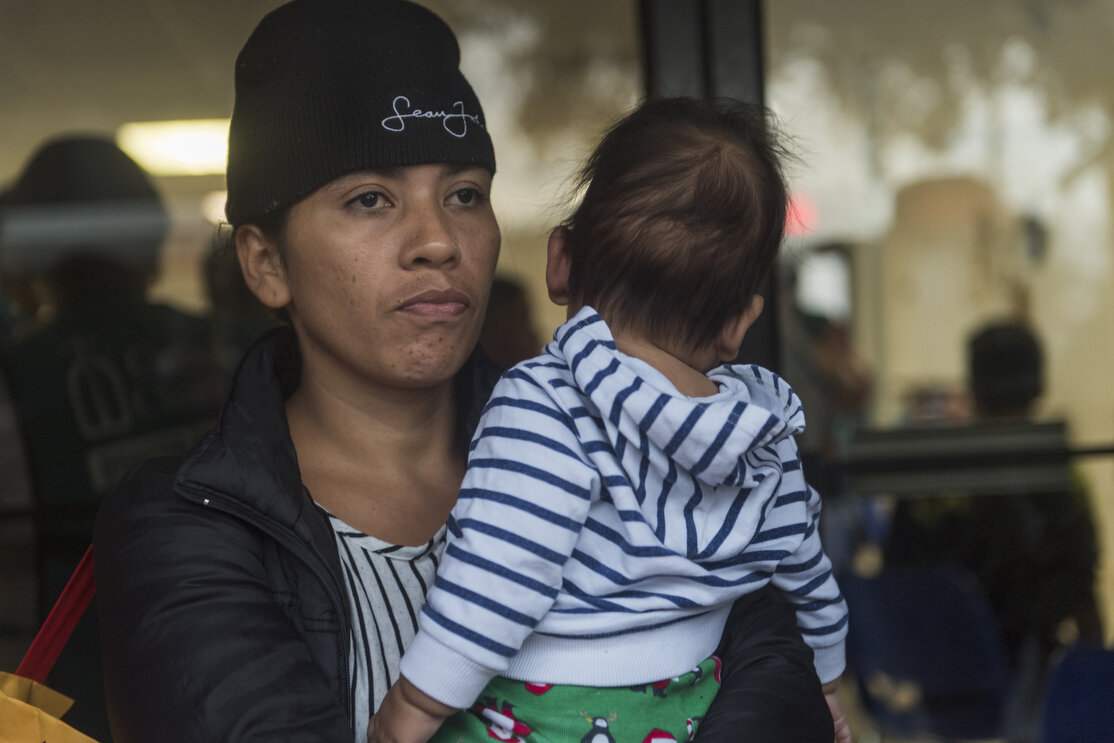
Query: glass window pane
{"type": "Point", "coordinates": [956, 177]}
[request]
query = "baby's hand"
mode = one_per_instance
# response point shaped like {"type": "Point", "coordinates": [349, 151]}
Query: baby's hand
{"type": "Point", "coordinates": [407, 715]}
{"type": "Point", "coordinates": [842, 728]}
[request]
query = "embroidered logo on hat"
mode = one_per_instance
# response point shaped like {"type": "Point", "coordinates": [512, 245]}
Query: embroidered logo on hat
{"type": "Point", "coordinates": [455, 122]}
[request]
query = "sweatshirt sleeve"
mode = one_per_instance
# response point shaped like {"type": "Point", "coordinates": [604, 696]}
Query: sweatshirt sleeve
{"type": "Point", "coordinates": [522, 505]}
{"type": "Point", "coordinates": [806, 578]}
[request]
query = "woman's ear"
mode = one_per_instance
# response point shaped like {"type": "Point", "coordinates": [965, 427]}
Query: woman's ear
{"type": "Point", "coordinates": [557, 266]}
{"type": "Point", "coordinates": [262, 266]}
{"type": "Point", "coordinates": [731, 336]}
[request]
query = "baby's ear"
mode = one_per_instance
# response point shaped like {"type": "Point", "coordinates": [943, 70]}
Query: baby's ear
{"type": "Point", "coordinates": [261, 263]}
{"type": "Point", "coordinates": [557, 266]}
{"type": "Point", "coordinates": [731, 336]}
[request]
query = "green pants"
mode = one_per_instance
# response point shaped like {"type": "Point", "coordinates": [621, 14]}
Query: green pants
{"type": "Point", "coordinates": [667, 710]}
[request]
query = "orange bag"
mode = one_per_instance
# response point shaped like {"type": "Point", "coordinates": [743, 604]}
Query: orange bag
{"type": "Point", "coordinates": [29, 711]}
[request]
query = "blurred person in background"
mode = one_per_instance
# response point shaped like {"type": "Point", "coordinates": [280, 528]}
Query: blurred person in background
{"type": "Point", "coordinates": [18, 303]}
{"type": "Point", "coordinates": [104, 378]}
{"type": "Point", "coordinates": [1034, 554]}
{"type": "Point", "coordinates": [835, 385]}
{"type": "Point", "coordinates": [830, 376]}
{"type": "Point", "coordinates": [237, 317]}
{"type": "Point", "coordinates": [508, 334]}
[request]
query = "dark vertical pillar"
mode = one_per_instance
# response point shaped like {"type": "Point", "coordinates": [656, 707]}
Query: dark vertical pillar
{"type": "Point", "coordinates": [673, 48]}
{"type": "Point", "coordinates": [736, 63]}
{"type": "Point", "coordinates": [705, 49]}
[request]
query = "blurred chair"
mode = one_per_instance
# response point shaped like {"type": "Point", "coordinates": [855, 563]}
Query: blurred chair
{"type": "Point", "coordinates": [927, 653]}
{"type": "Point", "coordinates": [1079, 702]}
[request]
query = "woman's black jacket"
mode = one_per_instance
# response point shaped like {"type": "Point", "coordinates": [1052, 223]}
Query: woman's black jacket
{"type": "Point", "coordinates": [223, 616]}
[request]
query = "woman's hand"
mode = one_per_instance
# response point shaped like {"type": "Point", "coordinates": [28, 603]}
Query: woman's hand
{"type": "Point", "coordinates": [842, 729]}
{"type": "Point", "coordinates": [407, 715]}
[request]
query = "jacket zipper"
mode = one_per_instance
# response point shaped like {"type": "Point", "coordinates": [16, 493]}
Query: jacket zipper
{"type": "Point", "coordinates": [296, 547]}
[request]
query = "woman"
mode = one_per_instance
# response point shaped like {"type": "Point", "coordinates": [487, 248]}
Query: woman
{"type": "Point", "coordinates": [265, 586]}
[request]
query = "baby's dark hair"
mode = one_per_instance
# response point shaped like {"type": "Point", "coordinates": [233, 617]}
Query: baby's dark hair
{"type": "Point", "coordinates": [682, 215]}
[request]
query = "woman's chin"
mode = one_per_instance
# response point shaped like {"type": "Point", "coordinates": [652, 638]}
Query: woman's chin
{"type": "Point", "coordinates": [431, 364]}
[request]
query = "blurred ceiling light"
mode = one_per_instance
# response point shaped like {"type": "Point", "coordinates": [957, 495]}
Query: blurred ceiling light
{"type": "Point", "coordinates": [212, 206]}
{"type": "Point", "coordinates": [195, 147]}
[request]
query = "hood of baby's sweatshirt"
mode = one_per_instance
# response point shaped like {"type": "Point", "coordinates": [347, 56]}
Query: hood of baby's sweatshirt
{"type": "Point", "coordinates": [638, 406]}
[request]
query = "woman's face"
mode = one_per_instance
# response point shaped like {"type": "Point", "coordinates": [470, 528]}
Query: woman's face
{"type": "Point", "coordinates": [388, 273]}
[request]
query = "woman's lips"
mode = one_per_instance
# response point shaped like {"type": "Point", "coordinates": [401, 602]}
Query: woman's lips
{"type": "Point", "coordinates": [436, 303]}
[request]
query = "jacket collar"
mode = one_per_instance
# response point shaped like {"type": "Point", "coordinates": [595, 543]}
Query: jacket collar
{"type": "Point", "coordinates": [249, 458]}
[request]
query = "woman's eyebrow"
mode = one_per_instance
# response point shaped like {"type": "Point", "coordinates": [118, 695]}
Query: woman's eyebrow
{"type": "Point", "coordinates": [358, 175]}
{"type": "Point", "coordinates": [347, 181]}
{"type": "Point", "coordinates": [458, 168]}
{"type": "Point", "coordinates": [341, 184]}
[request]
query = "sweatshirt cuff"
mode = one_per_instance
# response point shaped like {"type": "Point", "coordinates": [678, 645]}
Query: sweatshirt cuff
{"type": "Point", "coordinates": [829, 661]}
{"type": "Point", "coordinates": [443, 673]}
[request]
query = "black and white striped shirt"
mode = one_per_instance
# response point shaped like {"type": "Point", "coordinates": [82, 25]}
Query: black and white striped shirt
{"type": "Point", "coordinates": [386, 586]}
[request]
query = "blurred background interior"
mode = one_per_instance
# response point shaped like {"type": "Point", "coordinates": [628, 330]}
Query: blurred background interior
{"type": "Point", "coordinates": [944, 307]}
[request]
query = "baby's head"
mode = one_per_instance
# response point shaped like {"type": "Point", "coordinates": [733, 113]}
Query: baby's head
{"type": "Point", "coordinates": [683, 210]}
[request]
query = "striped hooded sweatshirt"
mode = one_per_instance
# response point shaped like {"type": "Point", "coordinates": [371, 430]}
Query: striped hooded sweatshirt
{"type": "Point", "coordinates": [607, 523]}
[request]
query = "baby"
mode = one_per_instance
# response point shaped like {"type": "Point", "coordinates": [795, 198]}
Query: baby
{"type": "Point", "coordinates": [628, 485]}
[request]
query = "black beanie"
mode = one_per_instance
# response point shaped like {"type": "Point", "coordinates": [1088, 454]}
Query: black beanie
{"type": "Point", "coordinates": [327, 87]}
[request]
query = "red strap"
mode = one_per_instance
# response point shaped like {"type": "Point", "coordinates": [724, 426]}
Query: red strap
{"type": "Point", "coordinates": [60, 623]}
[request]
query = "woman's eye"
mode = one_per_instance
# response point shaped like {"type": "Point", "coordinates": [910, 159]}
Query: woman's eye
{"type": "Point", "coordinates": [370, 200]}
{"type": "Point", "coordinates": [467, 196]}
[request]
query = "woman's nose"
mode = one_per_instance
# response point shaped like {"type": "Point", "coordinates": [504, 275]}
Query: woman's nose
{"type": "Point", "coordinates": [431, 241]}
